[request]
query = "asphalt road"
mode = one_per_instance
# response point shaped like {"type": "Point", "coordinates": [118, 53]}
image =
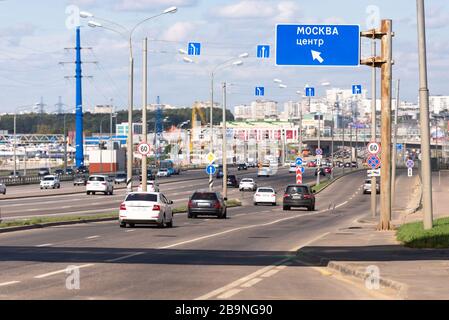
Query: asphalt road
{"type": "Point", "coordinates": [251, 255]}
{"type": "Point", "coordinates": [176, 188]}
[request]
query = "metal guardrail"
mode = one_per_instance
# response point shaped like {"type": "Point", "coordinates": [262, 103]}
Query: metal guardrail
{"type": "Point", "coordinates": [29, 180]}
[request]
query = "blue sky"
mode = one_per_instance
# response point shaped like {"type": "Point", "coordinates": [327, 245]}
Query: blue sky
{"type": "Point", "coordinates": [33, 35]}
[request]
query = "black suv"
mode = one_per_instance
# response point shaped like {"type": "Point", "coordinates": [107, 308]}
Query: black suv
{"type": "Point", "coordinates": [232, 181]}
{"type": "Point", "coordinates": [207, 203]}
{"type": "Point", "coordinates": [219, 173]}
{"type": "Point", "coordinates": [299, 195]}
{"type": "Point", "coordinates": [82, 169]}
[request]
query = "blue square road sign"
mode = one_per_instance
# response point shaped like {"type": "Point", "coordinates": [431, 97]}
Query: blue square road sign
{"type": "Point", "coordinates": [263, 51]}
{"type": "Point", "coordinates": [194, 49]}
{"type": "Point", "coordinates": [260, 91]}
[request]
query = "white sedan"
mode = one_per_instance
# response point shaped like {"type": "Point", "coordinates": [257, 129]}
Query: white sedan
{"type": "Point", "coordinates": [265, 195]}
{"type": "Point", "coordinates": [247, 184]}
{"type": "Point", "coordinates": [50, 182]}
{"type": "Point", "coordinates": [292, 168]}
{"type": "Point", "coordinates": [2, 188]}
{"type": "Point", "coordinates": [151, 187]}
{"type": "Point", "coordinates": [146, 208]}
{"type": "Point", "coordinates": [163, 173]}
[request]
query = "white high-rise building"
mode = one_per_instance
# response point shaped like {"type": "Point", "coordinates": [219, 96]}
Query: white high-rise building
{"type": "Point", "coordinates": [438, 104]}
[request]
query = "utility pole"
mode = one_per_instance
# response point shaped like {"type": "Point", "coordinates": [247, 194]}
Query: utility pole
{"type": "Point", "coordinates": [373, 124]}
{"type": "Point", "coordinates": [319, 147]}
{"type": "Point", "coordinates": [394, 146]}
{"type": "Point", "coordinates": [110, 136]}
{"type": "Point", "coordinates": [144, 111]}
{"type": "Point", "coordinates": [426, 173]}
{"type": "Point", "coordinates": [224, 155]}
{"type": "Point", "coordinates": [15, 145]}
{"type": "Point", "coordinates": [385, 62]}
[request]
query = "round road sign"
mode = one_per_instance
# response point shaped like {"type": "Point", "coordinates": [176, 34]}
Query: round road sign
{"type": "Point", "coordinates": [211, 169]}
{"type": "Point", "coordinates": [373, 148]}
{"type": "Point", "coordinates": [144, 149]}
{"type": "Point", "coordinates": [319, 152]}
{"type": "Point", "coordinates": [373, 161]}
{"type": "Point", "coordinates": [410, 163]}
{"type": "Point", "coordinates": [299, 161]}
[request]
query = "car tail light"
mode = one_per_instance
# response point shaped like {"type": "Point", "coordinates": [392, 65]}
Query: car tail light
{"type": "Point", "coordinates": [286, 195]}
{"type": "Point", "coordinates": [88, 182]}
{"type": "Point", "coordinates": [257, 194]}
{"type": "Point", "coordinates": [122, 207]}
{"type": "Point", "coordinates": [190, 205]}
{"type": "Point", "coordinates": [103, 183]}
{"type": "Point", "coordinates": [307, 196]}
{"type": "Point", "coordinates": [156, 207]}
{"type": "Point", "coordinates": [217, 205]}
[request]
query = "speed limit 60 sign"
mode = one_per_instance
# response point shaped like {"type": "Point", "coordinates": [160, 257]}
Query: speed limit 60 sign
{"type": "Point", "coordinates": [374, 148]}
{"type": "Point", "coordinates": [143, 149]}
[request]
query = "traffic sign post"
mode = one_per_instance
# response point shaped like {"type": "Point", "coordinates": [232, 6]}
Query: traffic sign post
{"type": "Point", "coordinates": [317, 45]}
{"type": "Point", "coordinates": [310, 92]}
{"type": "Point", "coordinates": [211, 169]}
{"type": "Point", "coordinates": [144, 149]}
{"type": "Point", "coordinates": [357, 89]}
{"type": "Point", "coordinates": [194, 49]}
{"type": "Point", "coordinates": [373, 173]}
{"type": "Point", "coordinates": [263, 51]}
{"type": "Point", "coordinates": [373, 161]}
{"type": "Point", "coordinates": [319, 151]}
{"type": "Point", "coordinates": [298, 175]}
{"type": "Point", "coordinates": [373, 148]}
{"type": "Point", "coordinates": [410, 164]}
{"type": "Point", "coordinates": [260, 91]}
{"type": "Point", "coordinates": [410, 172]}
{"type": "Point", "coordinates": [299, 161]}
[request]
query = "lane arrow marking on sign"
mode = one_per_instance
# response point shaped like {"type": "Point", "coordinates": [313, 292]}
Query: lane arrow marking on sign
{"type": "Point", "coordinates": [317, 56]}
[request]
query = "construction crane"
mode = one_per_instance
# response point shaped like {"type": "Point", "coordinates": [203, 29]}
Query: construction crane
{"type": "Point", "coordinates": [196, 110]}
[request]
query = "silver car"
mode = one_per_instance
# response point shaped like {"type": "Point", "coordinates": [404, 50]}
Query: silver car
{"type": "Point", "coordinates": [367, 186]}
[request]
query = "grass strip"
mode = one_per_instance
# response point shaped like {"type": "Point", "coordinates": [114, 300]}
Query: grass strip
{"type": "Point", "coordinates": [413, 235]}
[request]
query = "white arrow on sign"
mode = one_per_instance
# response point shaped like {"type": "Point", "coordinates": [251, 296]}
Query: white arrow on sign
{"type": "Point", "coordinates": [317, 56]}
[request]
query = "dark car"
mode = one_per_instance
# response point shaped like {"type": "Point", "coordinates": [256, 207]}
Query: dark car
{"type": "Point", "coordinates": [69, 172]}
{"type": "Point", "coordinates": [80, 180]}
{"type": "Point", "coordinates": [322, 172]}
{"type": "Point", "coordinates": [327, 170]}
{"type": "Point", "coordinates": [347, 164]}
{"type": "Point", "coordinates": [59, 172]}
{"type": "Point", "coordinates": [232, 181]}
{"type": "Point", "coordinates": [120, 177]}
{"type": "Point", "coordinates": [299, 196]}
{"type": "Point", "coordinates": [354, 164]}
{"type": "Point", "coordinates": [242, 166]}
{"type": "Point", "coordinates": [150, 176]}
{"type": "Point", "coordinates": [43, 172]}
{"type": "Point", "coordinates": [82, 169]}
{"type": "Point", "coordinates": [219, 173]}
{"type": "Point", "coordinates": [207, 203]}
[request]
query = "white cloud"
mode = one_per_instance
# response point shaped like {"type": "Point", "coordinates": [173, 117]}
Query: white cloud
{"type": "Point", "coordinates": [179, 31]}
{"type": "Point", "coordinates": [132, 5]}
{"type": "Point", "coordinates": [247, 9]}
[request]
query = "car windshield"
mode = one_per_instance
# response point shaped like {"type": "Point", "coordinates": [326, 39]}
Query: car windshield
{"type": "Point", "coordinates": [141, 197]}
{"type": "Point", "coordinates": [296, 190]}
{"type": "Point", "coordinates": [266, 190]}
{"type": "Point", "coordinates": [49, 179]}
{"type": "Point", "coordinates": [247, 180]}
{"type": "Point", "coordinates": [368, 181]}
{"type": "Point", "coordinates": [204, 196]}
{"type": "Point", "coordinates": [96, 179]}
{"type": "Point", "coordinates": [121, 175]}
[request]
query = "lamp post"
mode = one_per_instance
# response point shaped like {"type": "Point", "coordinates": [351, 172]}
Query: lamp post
{"type": "Point", "coordinates": [127, 34]}
{"type": "Point", "coordinates": [227, 63]}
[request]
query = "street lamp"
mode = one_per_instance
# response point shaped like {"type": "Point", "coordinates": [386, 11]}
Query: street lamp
{"type": "Point", "coordinates": [127, 34]}
{"type": "Point", "coordinates": [227, 63]}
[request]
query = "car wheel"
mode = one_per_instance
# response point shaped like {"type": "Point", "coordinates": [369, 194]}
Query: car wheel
{"type": "Point", "coordinates": [106, 193]}
{"type": "Point", "coordinates": [122, 225]}
{"type": "Point", "coordinates": [310, 208]}
{"type": "Point", "coordinates": [170, 224]}
{"type": "Point", "coordinates": [132, 225]}
{"type": "Point", "coordinates": [59, 186]}
{"type": "Point", "coordinates": [286, 208]}
{"type": "Point", "coordinates": [93, 192]}
{"type": "Point", "coordinates": [189, 215]}
{"type": "Point", "coordinates": [274, 204]}
{"type": "Point", "coordinates": [255, 203]}
{"type": "Point", "coordinates": [88, 192]}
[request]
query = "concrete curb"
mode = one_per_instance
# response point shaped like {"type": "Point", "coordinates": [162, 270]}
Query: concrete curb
{"type": "Point", "coordinates": [336, 179]}
{"type": "Point", "coordinates": [346, 269]}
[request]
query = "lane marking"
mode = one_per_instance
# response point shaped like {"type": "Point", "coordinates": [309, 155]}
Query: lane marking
{"type": "Point", "coordinates": [341, 204]}
{"type": "Point", "coordinates": [251, 283]}
{"type": "Point", "coordinates": [270, 273]}
{"type": "Point", "coordinates": [125, 257]}
{"type": "Point", "coordinates": [45, 275]}
{"type": "Point", "coordinates": [44, 245]}
{"type": "Point", "coordinates": [130, 230]}
{"type": "Point", "coordinates": [92, 237]}
{"type": "Point", "coordinates": [4, 284]}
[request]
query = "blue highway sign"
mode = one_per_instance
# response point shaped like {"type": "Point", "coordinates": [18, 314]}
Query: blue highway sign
{"type": "Point", "coordinates": [317, 45]}
{"type": "Point", "coordinates": [310, 92]}
{"type": "Point", "coordinates": [263, 51]}
{"type": "Point", "coordinates": [194, 49]}
{"type": "Point", "coordinates": [260, 91]}
{"type": "Point", "coordinates": [357, 89]}
{"type": "Point", "coordinates": [211, 169]}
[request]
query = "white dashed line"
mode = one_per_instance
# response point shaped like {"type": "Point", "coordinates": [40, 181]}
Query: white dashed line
{"type": "Point", "coordinates": [4, 284]}
{"type": "Point", "coordinates": [44, 245]}
{"type": "Point", "coordinates": [45, 275]}
{"type": "Point", "coordinates": [92, 237]}
{"type": "Point", "coordinates": [125, 257]}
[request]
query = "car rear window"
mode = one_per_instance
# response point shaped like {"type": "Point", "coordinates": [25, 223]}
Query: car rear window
{"type": "Point", "coordinates": [49, 179]}
{"type": "Point", "coordinates": [295, 190]}
{"type": "Point", "coordinates": [247, 180]}
{"type": "Point", "coordinates": [266, 190]}
{"type": "Point", "coordinates": [141, 197]}
{"type": "Point", "coordinates": [204, 196]}
{"type": "Point", "coordinates": [121, 175]}
{"type": "Point", "coordinates": [96, 179]}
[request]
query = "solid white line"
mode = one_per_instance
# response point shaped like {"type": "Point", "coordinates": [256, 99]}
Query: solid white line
{"type": "Point", "coordinates": [45, 275]}
{"type": "Point", "coordinates": [270, 273]}
{"type": "Point", "coordinates": [251, 283]}
{"type": "Point", "coordinates": [125, 257]}
{"type": "Point", "coordinates": [92, 237]}
{"type": "Point", "coordinates": [44, 245]}
{"type": "Point", "coordinates": [4, 284]}
{"type": "Point", "coordinates": [341, 204]}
